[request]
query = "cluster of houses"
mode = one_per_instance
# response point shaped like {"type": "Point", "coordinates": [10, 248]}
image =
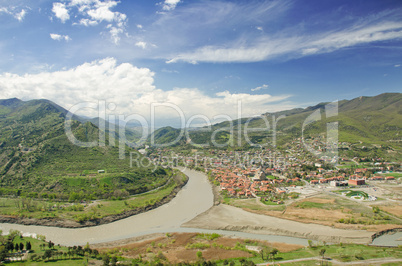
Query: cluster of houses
{"type": "Point", "coordinates": [353, 180]}
{"type": "Point", "coordinates": [244, 173]}
{"type": "Point", "coordinates": [248, 183]}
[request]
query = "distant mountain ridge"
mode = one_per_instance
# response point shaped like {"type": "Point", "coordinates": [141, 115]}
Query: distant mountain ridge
{"type": "Point", "coordinates": [367, 120]}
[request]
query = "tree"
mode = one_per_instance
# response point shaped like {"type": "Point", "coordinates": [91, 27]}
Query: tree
{"type": "Point", "coordinates": [273, 254]}
{"type": "Point", "coordinates": [113, 261]}
{"type": "Point", "coordinates": [106, 260]}
{"type": "Point", "coordinates": [3, 252]}
{"type": "Point", "coordinates": [10, 246]}
{"type": "Point", "coordinates": [95, 252]}
{"type": "Point", "coordinates": [199, 254]}
{"type": "Point", "coordinates": [265, 253]}
{"type": "Point", "coordinates": [48, 254]}
{"type": "Point", "coordinates": [28, 245]}
{"type": "Point", "coordinates": [322, 252]}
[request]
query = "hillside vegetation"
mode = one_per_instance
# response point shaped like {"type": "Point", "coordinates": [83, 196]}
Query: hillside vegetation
{"type": "Point", "coordinates": [368, 126]}
{"type": "Point", "coordinates": [38, 160]}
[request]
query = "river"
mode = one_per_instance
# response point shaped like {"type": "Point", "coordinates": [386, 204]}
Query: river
{"type": "Point", "coordinates": [194, 198]}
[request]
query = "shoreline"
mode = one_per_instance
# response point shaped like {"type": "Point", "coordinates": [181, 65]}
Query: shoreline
{"type": "Point", "coordinates": [226, 217]}
{"type": "Point", "coordinates": [63, 223]}
{"type": "Point", "coordinates": [216, 216]}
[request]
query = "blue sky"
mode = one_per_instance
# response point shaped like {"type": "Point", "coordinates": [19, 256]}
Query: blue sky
{"type": "Point", "coordinates": [204, 57]}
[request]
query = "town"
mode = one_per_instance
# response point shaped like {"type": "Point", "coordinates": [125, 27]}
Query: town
{"type": "Point", "coordinates": [273, 175]}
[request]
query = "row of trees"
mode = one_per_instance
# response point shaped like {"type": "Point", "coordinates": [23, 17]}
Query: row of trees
{"type": "Point", "coordinates": [73, 252]}
{"type": "Point", "coordinates": [9, 246]}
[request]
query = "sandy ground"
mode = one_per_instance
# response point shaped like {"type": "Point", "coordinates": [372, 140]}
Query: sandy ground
{"type": "Point", "coordinates": [225, 217]}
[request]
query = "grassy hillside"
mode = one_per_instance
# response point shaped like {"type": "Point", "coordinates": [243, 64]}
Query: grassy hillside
{"type": "Point", "coordinates": [167, 135]}
{"type": "Point", "coordinates": [37, 158]}
{"type": "Point", "coordinates": [369, 125]}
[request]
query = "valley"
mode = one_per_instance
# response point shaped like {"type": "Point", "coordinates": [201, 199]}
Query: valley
{"type": "Point", "coordinates": [235, 180]}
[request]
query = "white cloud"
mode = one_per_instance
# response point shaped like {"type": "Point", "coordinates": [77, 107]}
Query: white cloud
{"type": "Point", "coordinates": [20, 16]}
{"type": "Point", "coordinates": [92, 13]}
{"type": "Point", "coordinates": [142, 45]}
{"type": "Point", "coordinates": [59, 37]}
{"type": "Point", "coordinates": [115, 33]}
{"type": "Point", "coordinates": [260, 28]}
{"type": "Point", "coordinates": [60, 11]}
{"type": "Point", "coordinates": [139, 26]}
{"type": "Point", "coordinates": [82, 2]}
{"type": "Point", "coordinates": [97, 80]}
{"type": "Point", "coordinates": [264, 86]}
{"type": "Point", "coordinates": [87, 22]}
{"type": "Point", "coordinates": [169, 5]}
{"type": "Point", "coordinates": [397, 65]}
{"type": "Point", "coordinates": [12, 11]}
{"type": "Point", "coordinates": [292, 45]}
{"type": "Point", "coordinates": [101, 11]}
{"type": "Point", "coordinates": [132, 90]}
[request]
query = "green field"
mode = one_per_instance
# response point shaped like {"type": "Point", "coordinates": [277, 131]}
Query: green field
{"type": "Point", "coordinates": [85, 211]}
{"type": "Point", "coordinates": [396, 175]}
{"type": "Point", "coordinates": [342, 253]}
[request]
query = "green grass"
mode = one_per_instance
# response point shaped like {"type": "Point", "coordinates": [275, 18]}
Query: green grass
{"type": "Point", "coordinates": [307, 263]}
{"type": "Point", "coordinates": [269, 203]}
{"type": "Point", "coordinates": [208, 236]}
{"type": "Point", "coordinates": [340, 252]}
{"type": "Point", "coordinates": [78, 212]}
{"type": "Point", "coordinates": [62, 262]}
{"type": "Point", "coordinates": [38, 251]}
{"type": "Point", "coordinates": [36, 156]}
{"type": "Point", "coordinates": [396, 175]}
{"type": "Point", "coordinates": [252, 204]}
{"type": "Point", "coordinates": [309, 204]}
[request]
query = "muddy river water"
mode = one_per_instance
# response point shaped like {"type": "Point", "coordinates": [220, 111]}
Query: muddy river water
{"type": "Point", "coordinates": [194, 198]}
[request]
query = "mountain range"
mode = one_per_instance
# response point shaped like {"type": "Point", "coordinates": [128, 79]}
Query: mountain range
{"type": "Point", "coordinates": [368, 126]}
{"type": "Point", "coordinates": [37, 155]}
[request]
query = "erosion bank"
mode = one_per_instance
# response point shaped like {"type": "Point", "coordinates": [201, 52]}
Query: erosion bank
{"type": "Point", "coordinates": [225, 217]}
{"type": "Point", "coordinates": [65, 223]}
{"type": "Point", "coordinates": [194, 198]}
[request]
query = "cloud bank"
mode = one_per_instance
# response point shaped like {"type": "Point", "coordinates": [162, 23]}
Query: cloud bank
{"type": "Point", "coordinates": [132, 90]}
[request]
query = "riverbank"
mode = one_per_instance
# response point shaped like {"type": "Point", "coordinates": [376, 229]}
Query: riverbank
{"type": "Point", "coordinates": [225, 217]}
{"type": "Point", "coordinates": [193, 208]}
{"type": "Point", "coordinates": [194, 198]}
{"type": "Point", "coordinates": [179, 182]}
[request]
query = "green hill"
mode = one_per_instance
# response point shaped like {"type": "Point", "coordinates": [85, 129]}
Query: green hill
{"type": "Point", "coordinates": [168, 136]}
{"type": "Point", "coordinates": [369, 126]}
{"type": "Point", "coordinates": [37, 158]}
